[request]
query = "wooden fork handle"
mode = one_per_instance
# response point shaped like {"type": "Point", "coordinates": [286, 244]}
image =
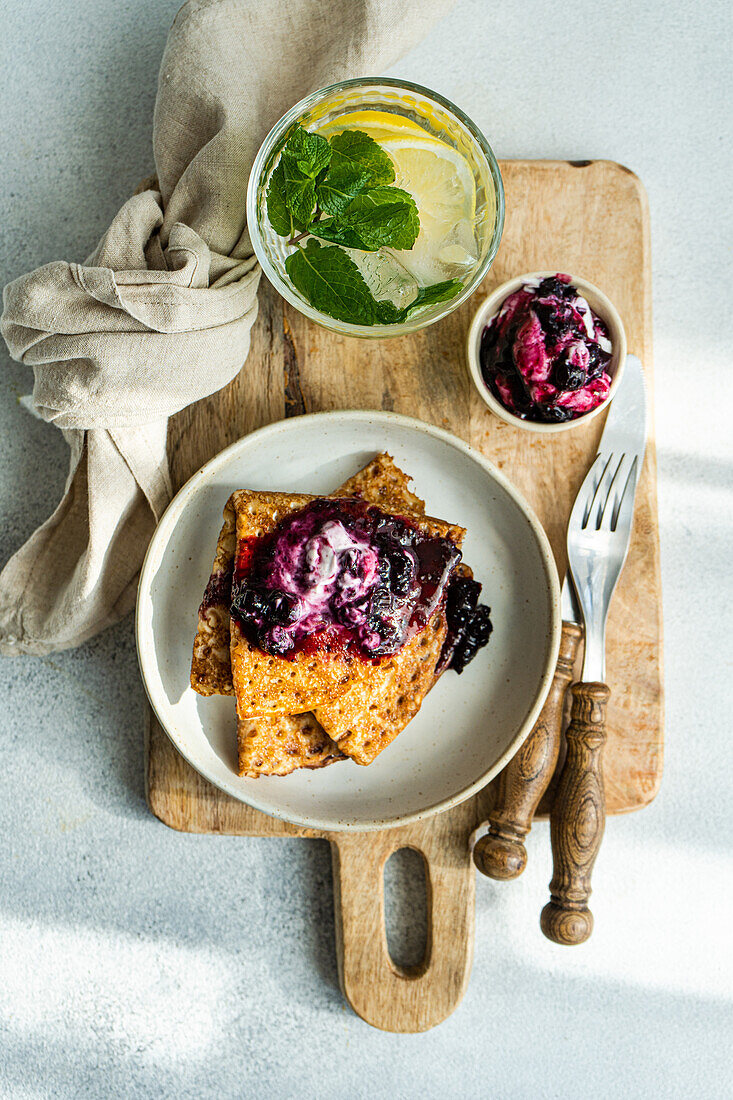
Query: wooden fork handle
{"type": "Point", "coordinates": [577, 818]}
{"type": "Point", "coordinates": [501, 853]}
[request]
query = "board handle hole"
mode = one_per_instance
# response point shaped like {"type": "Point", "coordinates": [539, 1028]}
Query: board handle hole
{"type": "Point", "coordinates": [406, 909]}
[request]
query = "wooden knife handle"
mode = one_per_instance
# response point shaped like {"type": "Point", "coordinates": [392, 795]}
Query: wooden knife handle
{"type": "Point", "coordinates": [577, 818]}
{"type": "Point", "coordinates": [501, 853]}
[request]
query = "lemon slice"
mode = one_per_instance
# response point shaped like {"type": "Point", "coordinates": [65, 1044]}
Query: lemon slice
{"type": "Point", "coordinates": [441, 182]}
{"type": "Point", "coordinates": [378, 124]}
{"type": "Point", "coordinates": [438, 177]}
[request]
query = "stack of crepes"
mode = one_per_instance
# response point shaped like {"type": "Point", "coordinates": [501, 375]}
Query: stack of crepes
{"type": "Point", "coordinates": [308, 710]}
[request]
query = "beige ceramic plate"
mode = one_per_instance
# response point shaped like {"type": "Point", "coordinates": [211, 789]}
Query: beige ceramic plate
{"type": "Point", "coordinates": [469, 725]}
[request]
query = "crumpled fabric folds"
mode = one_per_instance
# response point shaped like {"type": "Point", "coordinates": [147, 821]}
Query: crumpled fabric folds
{"type": "Point", "coordinates": [159, 316]}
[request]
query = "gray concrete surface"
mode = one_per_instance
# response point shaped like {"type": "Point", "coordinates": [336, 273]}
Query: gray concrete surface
{"type": "Point", "coordinates": [136, 962]}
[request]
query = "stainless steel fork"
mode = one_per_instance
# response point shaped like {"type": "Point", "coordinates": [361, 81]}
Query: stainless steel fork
{"type": "Point", "coordinates": [598, 540]}
{"type": "Point", "coordinates": [599, 530]}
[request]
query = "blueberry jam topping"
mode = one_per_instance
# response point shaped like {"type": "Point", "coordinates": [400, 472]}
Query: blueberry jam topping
{"type": "Point", "coordinates": [469, 624]}
{"type": "Point", "coordinates": [545, 353]}
{"type": "Point", "coordinates": [218, 592]}
{"type": "Point", "coordinates": [340, 573]}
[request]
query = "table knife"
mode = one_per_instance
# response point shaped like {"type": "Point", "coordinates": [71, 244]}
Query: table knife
{"type": "Point", "coordinates": [599, 531]}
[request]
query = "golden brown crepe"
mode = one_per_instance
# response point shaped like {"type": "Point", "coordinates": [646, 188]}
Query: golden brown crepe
{"type": "Point", "coordinates": [265, 684]}
{"type": "Point", "coordinates": [362, 706]}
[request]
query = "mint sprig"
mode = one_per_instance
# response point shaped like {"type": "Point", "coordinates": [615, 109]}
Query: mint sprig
{"type": "Point", "coordinates": [381, 217]}
{"type": "Point", "coordinates": [357, 164]}
{"type": "Point", "coordinates": [348, 180]}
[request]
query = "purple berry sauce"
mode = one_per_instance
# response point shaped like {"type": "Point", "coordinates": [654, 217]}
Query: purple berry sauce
{"type": "Point", "coordinates": [218, 592]}
{"type": "Point", "coordinates": [341, 576]}
{"type": "Point", "coordinates": [469, 624]}
{"type": "Point", "coordinates": [545, 354]}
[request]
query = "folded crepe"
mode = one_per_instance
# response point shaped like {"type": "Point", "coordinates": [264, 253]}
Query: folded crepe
{"type": "Point", "coordinates": [380, 482]}
{"type": "Point", "coordinates": [359, 708]}
{"type": "Point", "coordinates": [266, 684]}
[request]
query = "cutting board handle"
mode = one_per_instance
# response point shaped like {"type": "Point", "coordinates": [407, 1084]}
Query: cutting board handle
{"type": "Point", "coordinates": [384, 994]}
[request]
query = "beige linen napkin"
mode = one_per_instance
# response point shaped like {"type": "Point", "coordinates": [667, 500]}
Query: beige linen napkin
{"type": "Point", "coordinates": [160, 314]}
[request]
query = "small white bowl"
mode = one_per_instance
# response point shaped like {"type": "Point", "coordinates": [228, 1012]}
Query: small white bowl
{"type": "Point", "coordinates": [598, 302]}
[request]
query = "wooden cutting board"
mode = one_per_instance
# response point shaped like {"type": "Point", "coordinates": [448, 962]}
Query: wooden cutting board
{"type": "Point", "coordinates": [588, 218]}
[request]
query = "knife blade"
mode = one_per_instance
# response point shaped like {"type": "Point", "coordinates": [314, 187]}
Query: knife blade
{"type": "Point", "coordinates": [624, 434]}
{"type": "Point", "coordinates": [625, 430]}
{"type": "Point", "coordinates": [569, 602]}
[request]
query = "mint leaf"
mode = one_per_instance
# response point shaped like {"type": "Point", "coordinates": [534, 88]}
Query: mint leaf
{"type": "Point", "coordinates": [388, 313]}
{"type": "Point", "coordinates": [281, 220]}
{"type": "Point", "coordinates": [357, 163]}
{"type": "Point", "coordinates": [373, 219]}
{"type": "Point", "coordinates": [383, 216]}
{"type": "Point", "coordinates": [437, 292]}
{"type": "Point", "coordinates": [355, 151]}
{"type": "Point", "coordinates": [303, 158]}
{"type": "Point", "coordinates": [332, 283]}
{"type": "Point", "coordinates": [336, 191]}
{"type": "Point", "coordinates": [332, 230]}
{"type": "Point", "coordinates": [300, 192]}
{"type": "Point", "coordinates": [310, 153]}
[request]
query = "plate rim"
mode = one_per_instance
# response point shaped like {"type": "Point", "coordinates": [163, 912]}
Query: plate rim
{"type": "Point", "coordinates": [188, 490]}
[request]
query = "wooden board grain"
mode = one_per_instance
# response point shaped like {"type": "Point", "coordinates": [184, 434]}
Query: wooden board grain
{"type": "Point", "coordinates": [589, 218]}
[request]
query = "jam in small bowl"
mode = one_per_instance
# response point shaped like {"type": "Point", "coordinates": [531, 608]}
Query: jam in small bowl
{"type": "Point", "coordinates": [546, 351]}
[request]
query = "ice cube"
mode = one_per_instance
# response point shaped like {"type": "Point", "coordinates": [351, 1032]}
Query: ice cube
{"type": "Point", "coordinates": [458, 249]}
{"type": "Point", "coordinates": [438, 255]}
{"type": "Point", "coordinates": [385, 276]}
